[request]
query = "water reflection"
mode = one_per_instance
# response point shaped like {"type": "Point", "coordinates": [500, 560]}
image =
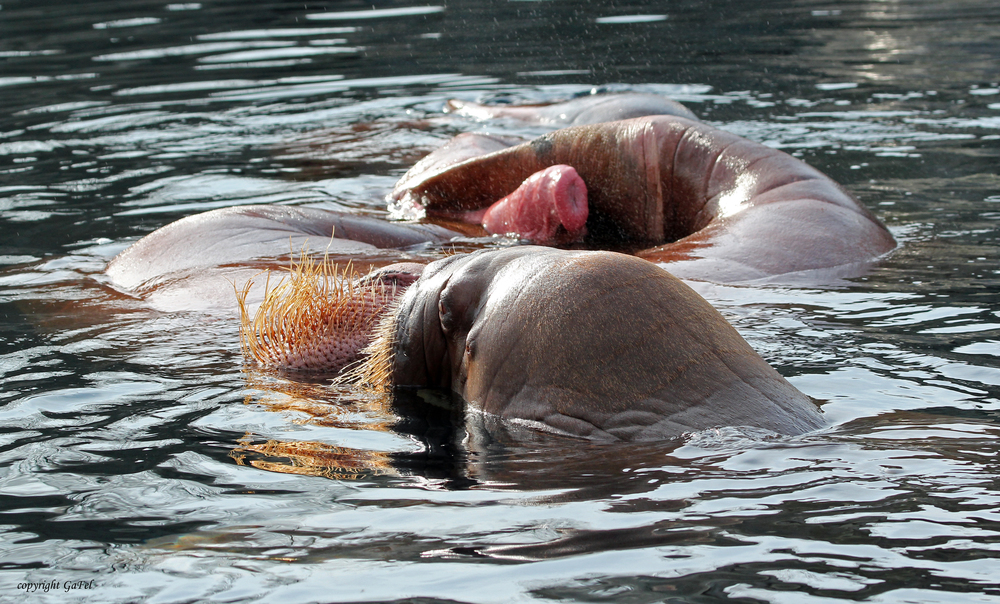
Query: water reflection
{"type": "Point", "coordinates": [425, 435]}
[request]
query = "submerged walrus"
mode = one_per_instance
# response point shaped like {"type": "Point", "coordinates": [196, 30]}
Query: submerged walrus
{"type": "Point", "coordinates": [593, 344]}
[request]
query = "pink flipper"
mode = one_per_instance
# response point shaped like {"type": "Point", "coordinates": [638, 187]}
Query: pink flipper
{"type": "Point", "coordinates": [549, 207]}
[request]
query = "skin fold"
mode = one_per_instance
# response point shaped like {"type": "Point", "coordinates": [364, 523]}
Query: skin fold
{"type": "Point", "coordinates": [242, 233]}
{"type": "Point", "coordinates": [194, 263]}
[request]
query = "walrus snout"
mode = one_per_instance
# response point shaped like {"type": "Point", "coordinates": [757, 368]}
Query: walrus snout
{"type": "Point", "coordinates": [319, 317]}
{"type": "Point", "coordinates": [419, 320]}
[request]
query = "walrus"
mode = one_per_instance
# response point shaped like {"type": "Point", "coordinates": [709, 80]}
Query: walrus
{"type": "Point", "coordinates": [705, 203]}
{"type": "Point", "coordinates": [239, 234]}
{"type": "Point", "coordinates": [192, 263]}
{"type": "Point", "coordinates": [592, 344]}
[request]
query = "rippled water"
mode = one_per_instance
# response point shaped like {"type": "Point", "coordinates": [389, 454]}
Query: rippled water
{"type": "Point", "coordinates": [140, 461]}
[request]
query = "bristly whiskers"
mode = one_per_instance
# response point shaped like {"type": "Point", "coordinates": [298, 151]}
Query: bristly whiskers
{"type": "Point", "coordinates": [318, 317]}
{"type": "Point", "coordinates": [374, 371]}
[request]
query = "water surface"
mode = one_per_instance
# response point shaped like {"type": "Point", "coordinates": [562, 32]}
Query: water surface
{"type": "Point", "coordinates": [139, 456]}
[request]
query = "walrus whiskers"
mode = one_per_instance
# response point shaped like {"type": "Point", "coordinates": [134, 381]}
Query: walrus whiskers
{"type": "Point", "coordinates": [318, 317]}
{"type": "Point", "coordinates": [374, 371]}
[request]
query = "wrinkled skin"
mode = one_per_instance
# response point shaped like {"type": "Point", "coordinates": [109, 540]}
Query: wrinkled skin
{"type": "Point", "coordinates": [703, 203]}
{"type": "Point", "coordinates": [593, 344]}
{"type": "Point", "coordinates": [541, 218]}
{"type": "Point", "coordinates": [706, 203]}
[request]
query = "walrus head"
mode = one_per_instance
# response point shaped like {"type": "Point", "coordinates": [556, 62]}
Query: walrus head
{"type": "Point", "coordinates": [594, 344]}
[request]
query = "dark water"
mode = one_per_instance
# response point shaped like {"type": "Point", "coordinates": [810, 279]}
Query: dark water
{"type": "Point", "coordinates": [137, 456]}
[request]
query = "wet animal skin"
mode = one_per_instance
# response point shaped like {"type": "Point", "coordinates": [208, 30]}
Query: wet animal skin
{"type": "Point", "coordinates": [704, 203]}
{"type": "Point", "coordinates": [595, 344]}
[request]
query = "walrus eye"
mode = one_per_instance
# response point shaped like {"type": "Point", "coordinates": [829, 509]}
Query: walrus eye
{"type": "Point", "coordinates": [452, 307]}
{"type": "Point", "coordinates": [446, 317]}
